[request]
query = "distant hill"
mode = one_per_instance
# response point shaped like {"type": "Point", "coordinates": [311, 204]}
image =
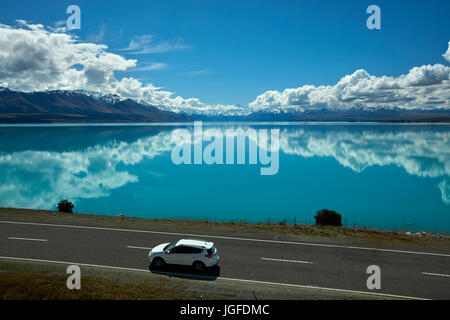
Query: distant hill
{"type": "Point", "coordinates": [361, 114]}
{"type": "Point", "coordinates": [73, 107]}
{"type": "Point", "coordinates": [356, 114]}
{"type": "Point", "coordinates": [85, 106]}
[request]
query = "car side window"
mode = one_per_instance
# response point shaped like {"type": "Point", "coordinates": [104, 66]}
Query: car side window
{"type": "Point", "coordinates": [177, 250]}
{"type": "Point", "coordinates": [191, 250]}
{"type": "Point", "coordinates": [186, 250]}
{"type": "Point", "coordinates": [197, 250]}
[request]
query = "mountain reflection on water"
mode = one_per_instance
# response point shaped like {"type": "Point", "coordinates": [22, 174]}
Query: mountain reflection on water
{"type": "Point", "coordinates": [41, 165]}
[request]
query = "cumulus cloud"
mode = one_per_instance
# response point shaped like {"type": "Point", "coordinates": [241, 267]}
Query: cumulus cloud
{"type": "Point", "coordinates": [38, 58]}
{"type": "Point", "coordinates": [35, 58]}
{"type": "Point", "coordinates": [447, 54]}
{"type": "Point", "coordinates": [427, 86]}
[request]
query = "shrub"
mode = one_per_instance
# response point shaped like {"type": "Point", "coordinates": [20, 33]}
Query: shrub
{"type": "Point", "coordinates": [327, 217]}
{"type": "Point", "coordinates": [65, 206]}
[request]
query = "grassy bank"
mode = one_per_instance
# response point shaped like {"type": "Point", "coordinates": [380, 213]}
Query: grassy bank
{"type": "Point", "coordinates": [41, 281]}
{"type": "Point", "coordinates": [29, 281]}
{"type": "Point", "coordinates": [275, 231]}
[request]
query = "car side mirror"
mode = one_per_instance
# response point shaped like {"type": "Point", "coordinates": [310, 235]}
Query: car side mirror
{"type": "Point", "coordinates": [168, 251]}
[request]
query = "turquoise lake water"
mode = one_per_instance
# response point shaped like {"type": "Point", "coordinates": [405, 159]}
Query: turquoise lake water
{"type": "Point", "coordinates": [384, 176]}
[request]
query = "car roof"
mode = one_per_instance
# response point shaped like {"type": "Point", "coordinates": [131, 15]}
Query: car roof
{"type": "Point", "coordinates": [195, 243]}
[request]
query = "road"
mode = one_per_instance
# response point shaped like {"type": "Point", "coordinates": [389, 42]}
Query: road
{"type": "Point", "coordinates": [403, 273]}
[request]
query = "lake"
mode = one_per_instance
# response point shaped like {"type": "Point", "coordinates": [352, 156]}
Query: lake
{"type": "Point", "coordinates": [387, 176]}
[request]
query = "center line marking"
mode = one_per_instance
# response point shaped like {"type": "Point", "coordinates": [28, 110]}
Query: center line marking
{"type": "Point", "coordinates": [229, 279]}
{"type": "Point", "coordinates": [285, 260]}
{"type": "Point", "coordinates": [28, 239]}
{"type": "Point", "coordinates": [143, 248]}
{"type": "Point", "coordinates": [229, 238]}
{"type": "Point", "coordinates": [436, 274]}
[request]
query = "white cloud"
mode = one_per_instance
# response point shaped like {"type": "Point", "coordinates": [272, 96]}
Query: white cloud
{"type": "Point", "coordinates": [60, 23]}
{"type": "Point", "coordinates": [97, 37]}
{"type": "Point", "coordinates": [425, 86]}
{"type": "Point", "coordinates": [152, 66]}
{"type": "Point", "coordinates": [36, 58]}
{"type": "Point", "coordinates": [195, 73]}
{"type": "Point", "coordinates": [139, 42]}
{"type": "Point", "coordinates": [447, 54]}
{"type": "Point", "coordinates": [145, 44]}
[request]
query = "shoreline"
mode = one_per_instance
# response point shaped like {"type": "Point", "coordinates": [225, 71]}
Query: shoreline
{"type": "Point", "coordinates": [226, 123]}
{"type": "Point", "coordinates": [272, 231]}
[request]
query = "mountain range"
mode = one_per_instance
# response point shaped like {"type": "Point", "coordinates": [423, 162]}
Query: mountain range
{"type": "Point", "coordinates": [84, 106]}
{"type": "Point", "coordinates": [77, 106]}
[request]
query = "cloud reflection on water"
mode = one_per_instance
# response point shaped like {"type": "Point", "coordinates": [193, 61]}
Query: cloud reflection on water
{"type": "Point", "coordinates": [40, 177]}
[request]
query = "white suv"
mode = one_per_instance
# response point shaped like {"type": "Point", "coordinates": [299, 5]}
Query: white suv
{"type": "Point", "coordinates": [197, 253]}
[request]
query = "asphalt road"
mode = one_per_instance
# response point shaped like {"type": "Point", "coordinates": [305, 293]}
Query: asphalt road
{"type": "Point", "coordinates": [411, 274]}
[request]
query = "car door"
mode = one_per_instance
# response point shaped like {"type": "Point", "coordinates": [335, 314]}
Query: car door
{"type": "Point", "coordinates": [175, 256]}
{"type": "Point", "coordinates": [187, 255]}
{"type": "Point", "coordinates": [195, 254]}
{"type": "Point", "coordinates": [200, 254]}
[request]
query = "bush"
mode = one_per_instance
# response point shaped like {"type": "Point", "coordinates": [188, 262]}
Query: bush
{"type": "Point", "coordinates": [65, 206]}
{"type": "Point", "coordinates": [327, 217]}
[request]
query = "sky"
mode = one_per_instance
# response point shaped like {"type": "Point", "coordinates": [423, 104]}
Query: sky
{"type": "Point", "coordinates": [208, 56]}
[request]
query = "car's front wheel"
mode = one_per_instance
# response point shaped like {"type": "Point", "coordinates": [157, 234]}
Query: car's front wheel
{"type": "Point", "coordinates": [198, 266]}
{"type": "Point", "coordinates": [158, 262]}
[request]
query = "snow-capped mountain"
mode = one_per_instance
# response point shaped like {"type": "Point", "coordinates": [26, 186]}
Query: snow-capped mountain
{"type": "Point", "coordinates": [88, 106]}
{"type": "Point", "coordinates": [75, 106]}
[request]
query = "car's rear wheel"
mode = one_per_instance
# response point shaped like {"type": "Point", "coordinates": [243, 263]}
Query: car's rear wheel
{"type": "Point", "coordinates": [158, 262]}
{"type": "Point", "coordinates": [198, 266]}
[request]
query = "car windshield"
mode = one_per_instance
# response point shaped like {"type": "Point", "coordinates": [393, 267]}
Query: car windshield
{"type": "Point", "coordinates": [212, 250]}
{"type": "Point", "coordinates": [170, 246]}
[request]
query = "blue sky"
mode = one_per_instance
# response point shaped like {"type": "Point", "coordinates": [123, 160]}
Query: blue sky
{"type": "Point", "coordinates": [229, 52]}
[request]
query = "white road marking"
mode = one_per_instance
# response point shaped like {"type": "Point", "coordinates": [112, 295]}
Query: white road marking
{"type": "Point", "coordinates": [231, 238]}
{"type": "Point", "coordinates": [285, 260]}
{"type": "Point", "coordinates": [76, 263]}
{"type": "Point", "coordinates": [143, 248]}
{"type": "Point", "coordinates": [228, 279]}
{"type": "Point", "coordinates": [387, 295]}
{"type": "Point", "coordinates": [436, 274]}
{"type": "Point", "coordinates": [27, 239]}
{"type": "Point", "coordinates": [184, 275]}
